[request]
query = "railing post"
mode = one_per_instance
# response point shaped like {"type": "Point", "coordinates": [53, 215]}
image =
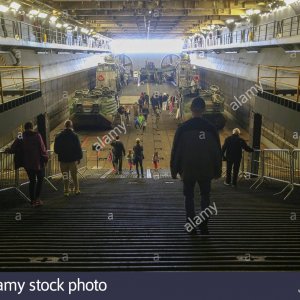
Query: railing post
{"type": "Point", "coordinates": [275, 83]}
{"type": "Point", "coordinates": [298, 91]}
{"type": "Point", "coordinates": [40, 77]}
{"type": "Point", "coordinates": [1, 88]}
{"type": "Point", "coordinates": [258, 73]}
{"type": "Point", "coordinates": [266, 32]}
{"type": "Point", "coordinates": [23, 81]}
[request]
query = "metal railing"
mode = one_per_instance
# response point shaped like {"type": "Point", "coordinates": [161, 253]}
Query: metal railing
{"type": "Point", "coordinates": [273, 30]}
{"type": "Point", "coordinates": [53, 165]}
{"type": "Point", "coordinates": [16, 81]}
{"type": "Point", "coordinates": [45, 34]}
{"type": "Point", "coordinates": [279, 165]}
{"type": "Point", "coordinates": [280, 80]}
{"type": "Point", "coordinates": [13, 179]}
{"type": "Point", "coordinates": [9, 177]}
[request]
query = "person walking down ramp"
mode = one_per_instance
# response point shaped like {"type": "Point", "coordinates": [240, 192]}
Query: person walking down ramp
{"type": "Point", "coordinates": [196, 156]}
{"type": "Point", "coordinates": [138, 156]}
{"type": "Point", "coordinates": [119, 152]}
{"type": "Point", "coordinates": [30, 153]}
{"type": "Point", "coordinates": [232, 153]}
{"type": "Point", "coordinates": [67, 147]}
{"type": "Point", "coordinates": [130, 160]}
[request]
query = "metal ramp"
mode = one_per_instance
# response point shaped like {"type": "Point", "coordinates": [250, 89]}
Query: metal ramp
{"type": "Point", "coordinates": [138, 224]}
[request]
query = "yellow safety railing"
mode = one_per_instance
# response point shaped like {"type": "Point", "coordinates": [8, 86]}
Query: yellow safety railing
{"type": "Point", "coordinates": [281, 80]}
{"type": "Point", "coordinates": [15, 79]}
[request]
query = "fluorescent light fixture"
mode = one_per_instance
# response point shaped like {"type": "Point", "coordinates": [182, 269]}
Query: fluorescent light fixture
{"type": "Point", "coordinates": [4, 8]}
{"type": "Point", "coordinates": [289, 2]}
{"type": "Point", "coordinates": [229, 21]}
{"type": "Point", "coordinates": [252, 51]}
{"type": "Point", "coordinates": [34, 12]}
{"type": "Point", "coordinates": [251, 12]}
{"type": "Point", "coordinates": [84, 30]}
{"type": "Point", "coordinates": [292, 51]}
{"type": "Point", "coordinates": [53, 19]}
{"type": "Point", "coordinates": [15, 5]}
{"type": "Point", "coordinates": [147, 46]}
{"type": "Point", "coordinates": [42, 15]}
{"type": "Point", "coordinates": [58, 25]}
{"type": "Point", "coordinates": [65, 25]}
{"type": "Point", "coordinates": [230, 51]}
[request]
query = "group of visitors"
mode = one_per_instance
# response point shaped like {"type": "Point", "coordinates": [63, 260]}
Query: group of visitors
{"type": "Point", "coordinates": [196, 156]}
{"type": "Point", "coordinates": [135, 156]}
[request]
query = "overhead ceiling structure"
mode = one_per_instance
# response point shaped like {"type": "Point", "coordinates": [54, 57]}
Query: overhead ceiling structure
{"type": "Point", "coordinates": [155, 19]}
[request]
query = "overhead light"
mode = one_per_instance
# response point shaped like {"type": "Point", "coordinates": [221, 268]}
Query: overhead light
{"type": "Point", "coordinates": [15, 5]}
{"type": "Point", "coordinates": [34, 12]}
{"type": "Point", "coordinates": [251, 12]}
{"type": "Point", "coordinates": [231, 52]}
{"type": "Point", "coordinates": [58, 25]}
{"type": "Point", "coordinates": [289, 2]}
{"type": "Point", "coordinates": [53, 19]}
{"type": "Point", "coordinates": [243, 16]}
{"type": "Point", "coordinates": [65, 25]}
{"type": "Point", "coordinates": [42, 15]}
{"type": "Point", "coordinates": [84, 30]}
{"type": "Point", "coordinates": [4, 8]}
{"type": "Point", "coordinates": [292, 51]}
{"type": "Point", "coordinates": [252, 51]}
{"type": "Point", "coordinates": [229, 21]}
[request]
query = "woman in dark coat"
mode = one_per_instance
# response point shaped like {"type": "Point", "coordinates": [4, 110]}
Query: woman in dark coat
{"type": "Point", "coordinates": [31, 153]}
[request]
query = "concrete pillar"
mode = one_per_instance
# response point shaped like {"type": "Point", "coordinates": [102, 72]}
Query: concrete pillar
{"type": "Point", "coordinates": [43, 128]}
{"type": "Point", "coordinates": [255, 128]}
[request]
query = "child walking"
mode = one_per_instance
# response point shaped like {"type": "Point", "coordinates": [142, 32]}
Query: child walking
{"type": "Point", "coordinates": [130, 160]}
{"type": "Point", "coordinates": [155, 160]}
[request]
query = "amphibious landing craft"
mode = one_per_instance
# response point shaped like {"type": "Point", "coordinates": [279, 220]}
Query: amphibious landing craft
{"type": "Point", "coordinates": [98, 107]}
{"type": "Point", "coordinates": [189, 87]}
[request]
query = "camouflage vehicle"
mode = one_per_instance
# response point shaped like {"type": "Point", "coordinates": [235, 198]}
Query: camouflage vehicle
{"type": "Point", "coordinates": [98, 107]}
{"type": "Point", "coordinates": [189, 87]}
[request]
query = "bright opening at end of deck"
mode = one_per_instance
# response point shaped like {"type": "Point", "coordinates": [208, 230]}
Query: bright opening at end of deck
{"type": "Point", "coordinates": [147, 46]}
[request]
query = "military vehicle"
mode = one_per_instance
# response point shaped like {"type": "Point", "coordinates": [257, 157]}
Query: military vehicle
{"type": "Point", "coordinates": [189, 87]}
{"type": "Point", "coordinates": [98, 108]}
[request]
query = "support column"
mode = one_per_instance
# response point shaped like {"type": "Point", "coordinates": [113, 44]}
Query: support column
{"type": "Point", "coordinates": [43, 128]}
{"type": "Point", "coordinates": [256, 139]}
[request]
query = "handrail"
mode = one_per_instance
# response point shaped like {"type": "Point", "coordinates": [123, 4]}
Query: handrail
{"type": "Point", "coordinates": [28, 32]}
{"type": "Point", "coordinates": [22, 80]}
{"type": "Point", "coordinates": [279, 165]}
{"type": "Point", "coordinates": [289, 26]}
{"type": "Point", "coordinates": [274, 79]}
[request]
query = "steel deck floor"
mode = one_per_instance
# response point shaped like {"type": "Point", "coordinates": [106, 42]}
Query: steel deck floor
{"type": "Point", "coordinates": [138, 224]}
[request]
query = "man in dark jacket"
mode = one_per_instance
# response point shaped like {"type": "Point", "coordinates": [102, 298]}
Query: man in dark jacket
{"type": "Point", "coordinates": [196, 156]}
{"type": "Point", "coordinates": [67, 147]}
{"type": "Point", "coordinates": [119, 152]}
{"type": "Point", "coordinates": [232, 152]}
{"type": "Point", "coordinates": [31, 153]}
